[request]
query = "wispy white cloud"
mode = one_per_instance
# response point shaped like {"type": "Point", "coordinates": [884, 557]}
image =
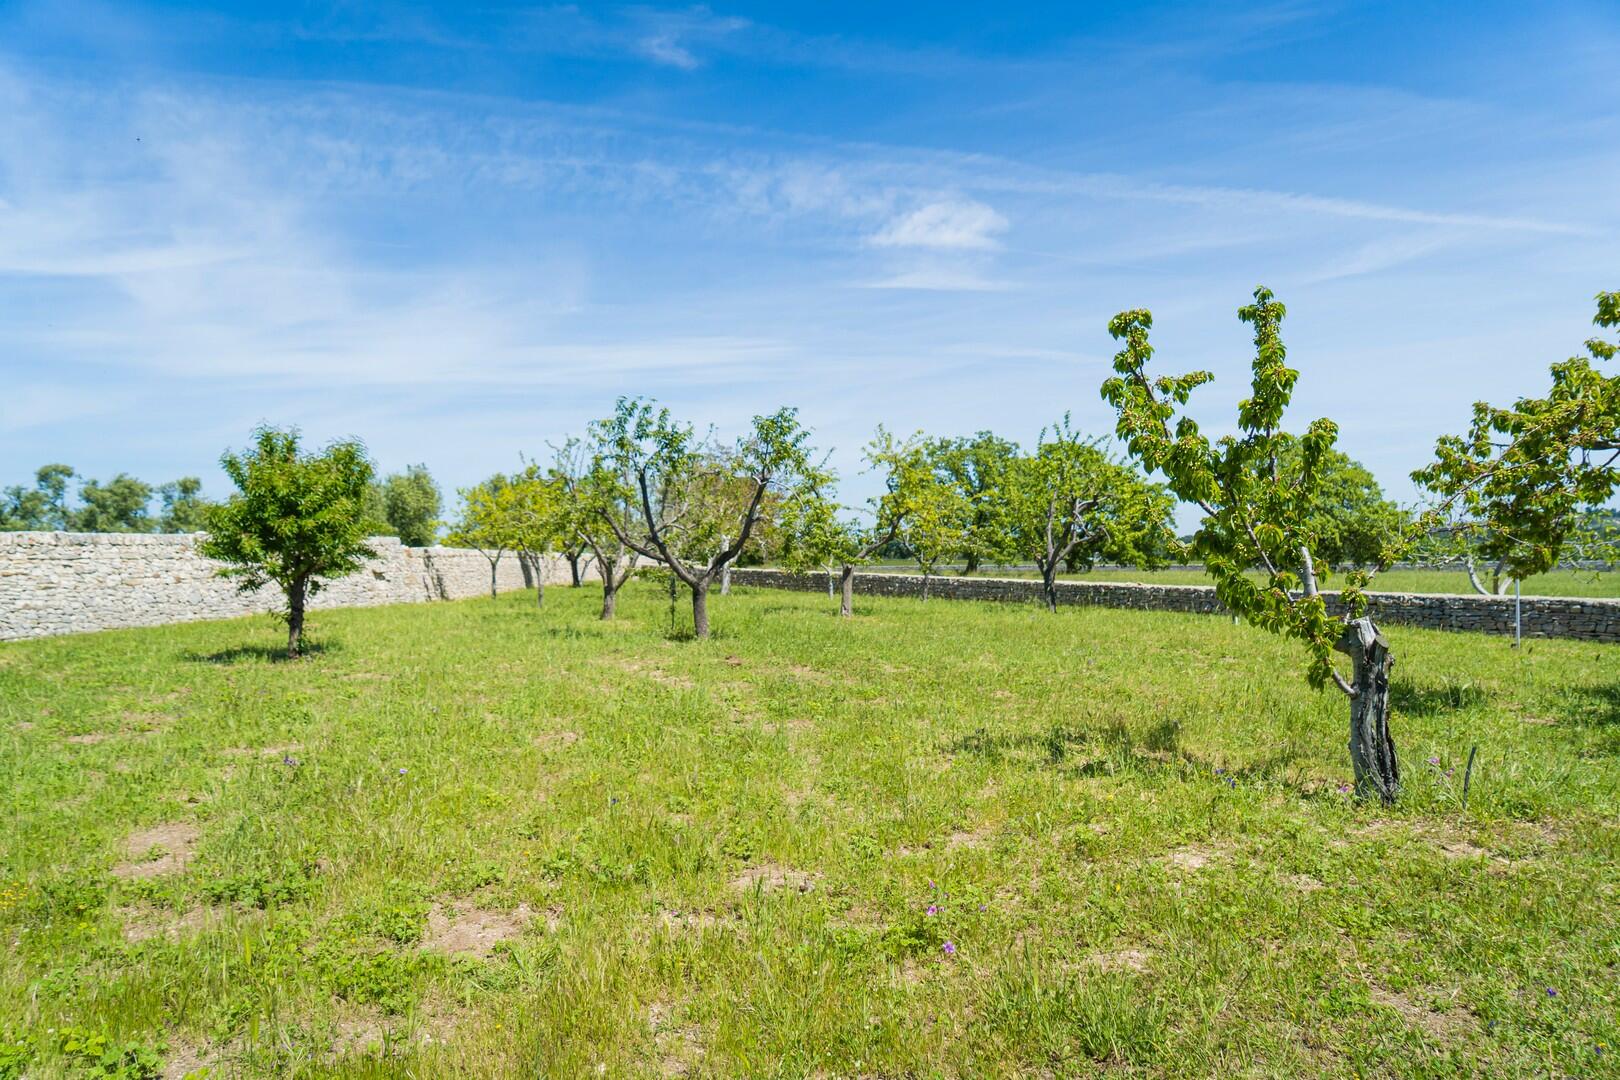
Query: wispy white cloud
{"type": "Point", "coordinates": [951, 224]}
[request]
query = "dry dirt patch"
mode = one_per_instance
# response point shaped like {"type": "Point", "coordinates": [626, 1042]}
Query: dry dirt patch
{"type": "Point", "coordinates": [172, 843]}
{"type": "Point", "coordinates": [461, 927]}
{"type": "Point", "coordinates": [1192, 857]}
{"type": "Point", "coordinates": [1119, 960]}
{"type": "Point", "coordinates": [1443, 1026]}
{"type": "Point", "coordinates": [1303, 882]}
{"type": "Point", "coordinates": [558, 739]}
{"type": "Point", "coordinates": [144, 923]}
{"type": "Point", "coordinates": [655, 673]}
{"type": "Point", "coordinates": [678, 1047]}
{"type": "Point", "coordinates": [89, 738]}
{"type": "Point", "coordinates": [769, 877]}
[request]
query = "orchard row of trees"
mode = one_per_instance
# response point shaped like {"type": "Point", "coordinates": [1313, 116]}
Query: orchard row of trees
{"type": "Point", "coordinates": [405, 504]}
{"type": "Point", "coordinates": [1280, 511]}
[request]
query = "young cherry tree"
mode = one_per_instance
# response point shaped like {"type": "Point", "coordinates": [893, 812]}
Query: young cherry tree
{"type": "Point", "coordinates": [528, 520]}
{"type": "Point", "coordinates": [483, 525]}
{"type": "Point", "coordinates": [1257, 514]}
{"type": "Point", "coordinates": [817, 537]}
{"type": "Point", "coordinates": [1527, 482]}
{"type": "Point", "coordinates": [691, 493]}
{"type": "Point", "coordinates": [296, 519]}
{"type": "Point", "coordinates": [599, 506]}
{"type": "Point", "coordinates": [938, 514]}
{"type": "Point", "coordinates": [1069, 504]}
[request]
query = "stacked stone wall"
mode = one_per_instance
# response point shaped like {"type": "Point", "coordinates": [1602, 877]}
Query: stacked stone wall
{"type": "Point", "coordinates": [1543, 616]}
{"type": "Point", "coordinates": [65, 583]}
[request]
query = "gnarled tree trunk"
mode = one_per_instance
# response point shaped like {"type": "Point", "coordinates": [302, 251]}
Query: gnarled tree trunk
{"type": "Point", "coordinates": [846, 590]}
{"type": "Point", "coordinates": [573, 568]}
{"type": "Point", "coordinates": [1372, 750]}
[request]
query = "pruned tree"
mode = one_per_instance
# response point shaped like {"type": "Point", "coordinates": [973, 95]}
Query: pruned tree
{"type": "Point", "coordinates": [688, 489]}
{"type": "Point", "coordinates": [482, 525]}
{"type": "Point", "coordinates": [1258, 514]}
{"type": "Point", "coordinates": [1070, 504]}
{"type": "Point", "coordinates": [295, 519]}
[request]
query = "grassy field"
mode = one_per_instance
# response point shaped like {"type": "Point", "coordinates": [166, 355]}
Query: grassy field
{"type": "Point", "coordinates": [946, 839]}
{"type": "Point", "coordinates": [1585, 583]}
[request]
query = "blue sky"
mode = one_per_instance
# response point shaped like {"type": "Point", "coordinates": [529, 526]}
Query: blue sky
{"type": "Point", "coordinates": [460, 231]}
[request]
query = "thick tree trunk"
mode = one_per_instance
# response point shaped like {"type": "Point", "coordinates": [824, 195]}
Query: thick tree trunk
{"type": "Point", "coordinates": [927, 577]}
{"type": "Point", "coordinates": [493, 593]}
{"type": "Point", "coordinates": [295, 617]}
{"type": "Point", "coordinates": [846, 591]}
{"type": "Point", "coordinates": [1372, 750]}
{"type": "Point", "coordinates": [523, 566]}
{"type": "Point", "coordinates": [573, 568]}
{"type": "Point", "coordinates": [610, 597]}
{"type": "Point", "coordinates": [970, 564]}
{"type": "Point", "coordinates": [700, 610]}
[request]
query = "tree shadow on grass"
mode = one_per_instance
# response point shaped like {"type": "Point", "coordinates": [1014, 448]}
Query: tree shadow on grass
{"type": "Point", "coordinates": [1414, 700]}
{"type": "Point", "coordinates": [275, 654]}
{"type": "Point", "coordinates": [1596, 706]}
{"type": "Point", "coordinates": [1084, 752]}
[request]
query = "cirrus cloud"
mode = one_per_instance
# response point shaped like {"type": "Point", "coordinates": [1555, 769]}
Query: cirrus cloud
{"type": "Point", "coordinates": [950, 224]}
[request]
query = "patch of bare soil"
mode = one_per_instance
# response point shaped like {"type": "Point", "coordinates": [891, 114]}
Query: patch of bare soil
{"type": "Point", "coordinates": [694, 921]}
{"type": "Point", "coordinates": [769, 877]}
{"type": "Point", "coordinates": [159, 850]}
{"type": "Point", "coordinates": [1546, 721]}
{"type": "Point", "coordinates": [264, 751]}
{"type": "Point", "coordinates": [1192, 857]}
{"type": "Point", "coordinates": [460, 927]}
{"type": "Point", "coordinates": [970, 838]}
{"type": "Point", "coordinates": [655, 673]}
{"type": "Point", "coordinates": [186, 1059]}
{"type": "Point", "coordinates": [1444, 1025]}
{"type": "Point", "coordinates": [1119, 960]}
{"type": "Point", "coordinates": [144, 923]}
{"type": "Point", "coordinates": [557, 739]}
{"type": "Point", "coordinates": [679, 1047]}
{"type": "Point", "coordinates": [89, 738]}
{"type": "Point", "coordinates": [1303, 882]}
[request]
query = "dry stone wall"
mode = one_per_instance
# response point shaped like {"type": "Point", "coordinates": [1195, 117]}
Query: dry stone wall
{"type": "Point", "coordinates": [1544, 616]}
{"type": "Point", "coordinates": [65, 583]}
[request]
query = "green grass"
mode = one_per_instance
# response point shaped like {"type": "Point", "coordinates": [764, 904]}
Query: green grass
{"type": "Point", "coordinates": [1584, 583]}
{"type": "Point", "coordinates": [1130, 825]}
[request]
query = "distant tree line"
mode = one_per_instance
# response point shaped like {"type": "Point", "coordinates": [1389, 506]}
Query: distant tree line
{"type": "Point", "coordinates": [405, 504]}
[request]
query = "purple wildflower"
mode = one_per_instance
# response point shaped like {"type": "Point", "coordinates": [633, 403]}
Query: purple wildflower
{"type": "Point", "coordinates": [950, 948]}
{"type": "Point", "coordinates": [1551, 992]}
{"type": "Point", "coordinates": [402, 772]}
{"type": "Point", "coordinates": [1344, 789]}
{"type": "Point", "coordinates": [933, 909]}
{"type": "Point", "coordinates": [982, 908]}
{"type": "Point", "coordinates": [1434, 761]}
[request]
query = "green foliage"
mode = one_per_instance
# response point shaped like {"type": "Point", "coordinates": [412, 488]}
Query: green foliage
{"type": "Point", "coordinates": [816, 536]}
{"type": "Point", "coordinates": [1517, 485]}
{"type": "Point", "coordinates": [118, 506]}
{"type": "Point", "coordinates": [978, 467]}
{"type": "Point", "coordinates": [99, 1055]}
{"type": "Point", "coordinates": [41, 508]}
{"type": "Point", "coordinates": [411, 505]}
{"type": "Point", "coordinates": [702, 502]}
{"type": "Point", "coordinates": [1069, 503]}
{"type": "Point", "coordinates": [483, 521]}
{"type": "Point", "coordinates": [296, 518]}
{"type": "Point", "coordinates": [1256, 513]}
{"type": "Point", "coordinates": [1349, 516]}
{"type": "Point", "coordinates": [184, 508]}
